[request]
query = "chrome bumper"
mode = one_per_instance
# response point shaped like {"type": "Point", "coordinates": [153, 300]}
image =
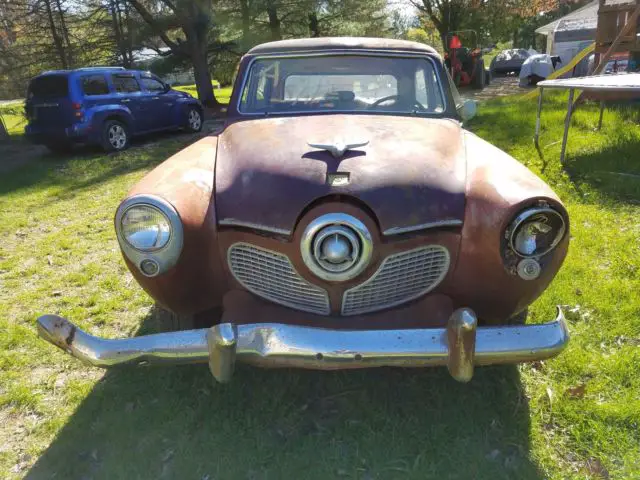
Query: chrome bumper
{"type": "Point", "coordinates": [460, 346]}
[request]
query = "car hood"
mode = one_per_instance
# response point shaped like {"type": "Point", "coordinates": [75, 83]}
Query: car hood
{"type": "Point", "coordinates": [410, 174]}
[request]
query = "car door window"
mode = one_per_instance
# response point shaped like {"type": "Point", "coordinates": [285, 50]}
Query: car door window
{"type": "Point", "coordinates": [125, 83]}
{"type": "Point", "coordinates": [152, 85]}
{"type": "Point", "coordinates": [94, 85]}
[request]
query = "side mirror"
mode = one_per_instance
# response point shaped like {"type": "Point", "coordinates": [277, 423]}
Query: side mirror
{"type": "Point", "coordinates": [467, 110]}
{"type": "Point", "coordinates": [167, 87]}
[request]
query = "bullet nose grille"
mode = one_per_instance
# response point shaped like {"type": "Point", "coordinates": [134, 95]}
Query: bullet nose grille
{"type": "Point", "coordinates": [271, 275]}
{"type": "Point", "coordinates": [400, 278]}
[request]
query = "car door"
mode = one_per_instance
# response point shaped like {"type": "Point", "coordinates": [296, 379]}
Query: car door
{"type": "Point", "coordinates": [160, 100]}
{"type": "Point", "coordinates": [129, 94]}
{"type": "Point", "coordinates": [95, 90]}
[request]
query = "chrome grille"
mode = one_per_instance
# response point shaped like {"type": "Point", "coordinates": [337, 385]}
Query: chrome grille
{"type": "Point", "coordinates": [401, 277]}
{"type": "Point", "coordinates": [271, 275]}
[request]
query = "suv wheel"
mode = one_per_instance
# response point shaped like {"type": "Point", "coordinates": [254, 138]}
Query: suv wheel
{"type": "Point", "coordinates": [194, 120]}
{"type": "Point", "coordinates": [115, 136]}
{"type": "Point", "coordinates": [478, 81]}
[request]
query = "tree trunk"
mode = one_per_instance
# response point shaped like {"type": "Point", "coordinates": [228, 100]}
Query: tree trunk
{"type": "Point", "coordinates": [57, 41]}
{"type": "Point", "coordinates": [245, 13]}
{"type": "Point", "coordinates": [274, 21]}
{"type": "Point", "coordinates": [65, 32]}
{"type": "Point", "coordinates": [119, 33]}
{"type": "Point", "coordinates": [196, 31]}
{"type": "Point", "coordinates": [314, 26]}
{"type": "Point", "coordinates": [128, 39]}
{"type": "Point", "coordinates": [443, 39]}
{"type": "Point", "coordinates": [203, 79]}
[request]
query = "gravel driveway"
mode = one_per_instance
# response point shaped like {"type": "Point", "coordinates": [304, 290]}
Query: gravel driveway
{"type": "Point", "coordinates": [499, 87]}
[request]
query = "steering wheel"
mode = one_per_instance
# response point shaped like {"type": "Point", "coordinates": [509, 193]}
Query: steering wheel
{"type": "Point", "coordinates": [395, 97]}
{"type": "Point", "coordinates": [384, 99]}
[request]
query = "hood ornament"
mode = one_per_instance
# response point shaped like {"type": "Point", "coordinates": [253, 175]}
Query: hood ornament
{"type": "Point", "coordinates": [337, 149]}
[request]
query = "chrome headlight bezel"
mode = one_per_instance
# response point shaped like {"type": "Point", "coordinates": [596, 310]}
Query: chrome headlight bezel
{"type": "Point", "coordinates": [525, 217]}
{"type": "Point", "coordinates": [163, 257]}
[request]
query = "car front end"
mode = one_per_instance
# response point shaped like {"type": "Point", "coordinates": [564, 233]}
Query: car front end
{"type": "Point", "coordinates": [331, 238]}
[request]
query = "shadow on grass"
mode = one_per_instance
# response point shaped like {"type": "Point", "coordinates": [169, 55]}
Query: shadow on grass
{"type": "Point", "coordinates": [613, 171]}
{"type": "Point", "coordinates": [273, 424]}
{"type": "Point", "coordinates": [88, 165]}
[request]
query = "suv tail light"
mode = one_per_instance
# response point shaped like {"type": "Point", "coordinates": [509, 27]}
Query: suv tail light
{"type": "Point", "coordinates": [77, 107]}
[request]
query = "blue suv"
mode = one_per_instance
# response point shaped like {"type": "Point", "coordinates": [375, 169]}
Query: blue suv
{"type": "Point", "coordinates": [105, 106]}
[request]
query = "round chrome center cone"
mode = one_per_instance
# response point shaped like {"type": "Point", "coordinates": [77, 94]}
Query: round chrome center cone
{"type": "Point", "coordinates": [336, 246]}
{"type": "Point", "coordinates": [336, 249]}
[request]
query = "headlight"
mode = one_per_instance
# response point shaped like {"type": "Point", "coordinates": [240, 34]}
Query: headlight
{"type": "Point", "coordinates": [536, 231]}
{"type": "Point", "coordinates": [145, 228]}
{"type": "Point", "coordinates": [150, 233]}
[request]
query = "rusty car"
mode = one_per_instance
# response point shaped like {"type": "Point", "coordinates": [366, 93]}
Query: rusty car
{"type": "Point", "coordinates": [341, 218]}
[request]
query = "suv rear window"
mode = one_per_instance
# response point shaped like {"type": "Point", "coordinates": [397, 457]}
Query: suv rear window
{"type": "Point", "coordinates": [125, 83]}
{"type": "Point", "coordinates": [49, 86]}
{"type": "Point", "coordinates": [94, 85]}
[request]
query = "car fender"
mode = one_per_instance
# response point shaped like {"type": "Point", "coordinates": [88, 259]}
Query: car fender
{"type": "Point", "coordinates": [197, 282]}
{"type": "Point", "coordinates": [498, 188]}
{"type": "Point", "coordinates": [181, 106]}
{"type": "Point", "coordinates": [99, 114]}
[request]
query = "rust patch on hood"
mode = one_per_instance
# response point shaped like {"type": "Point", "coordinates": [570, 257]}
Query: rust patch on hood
{"type": "Point", "coordinates": [411, 173]}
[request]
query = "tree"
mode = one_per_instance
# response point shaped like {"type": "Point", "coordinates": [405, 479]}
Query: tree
{"type": "Point", "coordinates": [119, 12]}
{"type": "Point", "coordinates": [446, 15]}
{"type": "Point", "coordinates": [193, 19]}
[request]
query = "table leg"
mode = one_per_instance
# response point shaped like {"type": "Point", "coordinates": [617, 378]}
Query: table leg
{"type": "Point", "coordinates": [567, 123]}
{"type": "Point", "coordinates": [536, 137]}
{"type": "Point", "coordinates": [601, 113]}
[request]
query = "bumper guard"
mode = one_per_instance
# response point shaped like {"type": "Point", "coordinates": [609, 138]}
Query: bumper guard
{"type": "Point", "coordinates": [460, 346]}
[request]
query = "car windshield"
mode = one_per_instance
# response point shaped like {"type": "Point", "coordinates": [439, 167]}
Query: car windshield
{"type": "Point", "coordinates": [342, 83]}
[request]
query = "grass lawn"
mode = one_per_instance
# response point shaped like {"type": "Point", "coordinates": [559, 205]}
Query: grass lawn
{"type": "Point", "coordinates": [222, 94]}
{"type": "Point", "coordinates": [573, 417]}
{"type": "Point", "coordinates": [13, 117]}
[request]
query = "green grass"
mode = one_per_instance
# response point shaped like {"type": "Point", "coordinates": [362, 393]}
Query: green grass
{"type": "Point", "coordinates": [573, 417]}
{"type": "Point", "coordinates": [222, 94]}
{"type": "Point", "coordinates": [13, 117]}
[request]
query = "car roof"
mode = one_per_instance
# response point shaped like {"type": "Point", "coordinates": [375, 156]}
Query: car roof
{"type": "Point", "coordinates": [91, 70]}
{"type": "Point", "coordinates": [301, 45]}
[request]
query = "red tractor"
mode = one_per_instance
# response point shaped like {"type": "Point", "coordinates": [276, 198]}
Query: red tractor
{"type": "Point", "coordinates": [465, 65]}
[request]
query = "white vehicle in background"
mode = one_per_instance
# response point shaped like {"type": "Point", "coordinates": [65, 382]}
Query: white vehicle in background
{"type": "Point", "coordinates": [536, 68]}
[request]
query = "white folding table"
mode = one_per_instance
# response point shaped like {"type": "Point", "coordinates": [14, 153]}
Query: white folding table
{"type": "Point", "coordinates": [629, 82]}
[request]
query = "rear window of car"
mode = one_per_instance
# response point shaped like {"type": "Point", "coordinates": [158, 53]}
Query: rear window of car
{"type": "Point", "coordinates": [94, 85]}
{"type": "Point", "coordinates": [125, 83]}
{"type": "Point", "coordinates": [49, 86]}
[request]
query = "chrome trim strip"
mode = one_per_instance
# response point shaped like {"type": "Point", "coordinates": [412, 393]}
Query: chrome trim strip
{"type": "Point", "coordinates": [167, 256]}
{"type": "Point", "coordinates": [422, 226]}
{"type": "Point", "coordinates": [354, 52]}
{"type": "Point", "coordinates": [232, 222]}
{"type": "Point", "coordinates": [281, 345]}
{"type": "Point", "coordinates": [381, 268]}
